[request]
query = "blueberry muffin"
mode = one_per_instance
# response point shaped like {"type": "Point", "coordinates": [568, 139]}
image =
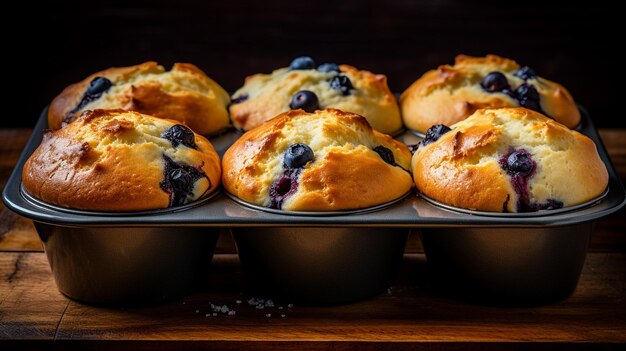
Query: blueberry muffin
{"type": "Point", "coordinates": [115, 160]}
{"type": "Point", "coordinates": [328, 160]}
{"type": "Point", "coordinates": [508, 160]}
{"type": "Point", "coordinates": [184, 93]}
{"type": "Point", "coordinates": [305, 85]}
{"type": "Point", "coordinates": [450, 94]}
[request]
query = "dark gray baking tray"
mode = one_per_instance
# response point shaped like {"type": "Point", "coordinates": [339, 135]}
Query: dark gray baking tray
{"type": "Point", "coordinates": [110, 258]}
{"type": "Point", "coordinates": [221, 211]}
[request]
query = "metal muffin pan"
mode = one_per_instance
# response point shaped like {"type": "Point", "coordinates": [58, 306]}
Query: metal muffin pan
{"type": "Point", "coordinates": [121, 266]}
{"type": "Point", "coordinates": [320, 265]}
{"type": "Point", "coordinates": [513, 257]}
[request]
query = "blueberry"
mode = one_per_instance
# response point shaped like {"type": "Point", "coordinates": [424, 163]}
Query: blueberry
{"type": "Point", "coordinates": [528, 96]}
{"type": "Point", "coordinates": [495, 82]}
{"type": "Point", "coordinates": [306, 100]}
{"type": "Point", "coordinates": [302, 62]}
{"type": "Point", "coordinates": [505, 205]}
{"type": "Point", "coordinates": [519, 162]}
{"type": "Point", "coordinates": [179, 179]}
{"type": "Point", "coordinates": [98, 86]}
{"type": "Point", "coordinates": [328, 67]}
{"type": "Point", "coordinates": [283, 187]}
{"type": "Point", "coordinates": [413, 147]}
{"type": "Point", "coordinates": [520, 185]}
{"type": "Point", "coordinates": [510, 93]}
{"type": "Point", "coordinates": [434, 133]}
{"type": "Point", "coordinates": [179, 134]}
{"type": "Point", "coordinates": [521, 167]}
{"type": "Point", "coordinates": [297, 155]}
{"type": "Point", "coordinates": [239, 99]}
{"type": "Point", "coordinates": [385, 154]}
{"type": "Point", "coordinates": [527, 91]}
{"type": "Point", "coordinates": [341, 83]}
{"type": "Point", "coordinates": [550, 204]}
{"type": "Point", "coordinates": [525, 73]}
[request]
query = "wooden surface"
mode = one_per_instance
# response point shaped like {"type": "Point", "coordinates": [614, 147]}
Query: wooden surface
{"type": "Point", "coordinates": [411, 315]}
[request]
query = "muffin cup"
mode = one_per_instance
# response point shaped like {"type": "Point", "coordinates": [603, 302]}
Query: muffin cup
{"type": "Point", "coordinates": [508, 265]}
{"type": "Point", "coordinates": [122, 266]}
{"type": "Point", "coordinates": [127, 266]}
{"type": "Point", "coordinates": [320, 265]}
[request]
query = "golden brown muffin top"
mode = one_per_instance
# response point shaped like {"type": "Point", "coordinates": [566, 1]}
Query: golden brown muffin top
{"type": "Point", "coordinates": [264, 96]}
{"type": "Point", "coordinates": [451, 93]}
{"type": "Point", "coordinates": [324, 161]}
{"type": "Point", "coordinates": [185, 93]}
{"type": "Point", "coordinates": [115, 160]}
{"type": "Point", "coordinates": [509, 160]}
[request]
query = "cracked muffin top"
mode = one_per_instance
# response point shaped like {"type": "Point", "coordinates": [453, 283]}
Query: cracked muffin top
{"type": "Point", "coordinates": [328, 160]}
{"type": "Point", "coordinates": [115, 160]}
{"type": "Point", "coordinates": [307, 86]}
{"type": "Point", "coordinates": [184, 93]}
{"type": "Point", "coordinates": [508, 160]}
{"type": "Point", "coordinates": [450, 94]}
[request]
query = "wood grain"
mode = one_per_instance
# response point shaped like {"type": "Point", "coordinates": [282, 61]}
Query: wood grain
{"type": "Point", "coordinates": [30, 305]}
{"type": "Point", "coordinates": [411, 313]}
{"type": "Point", "coordinates": [16, 232]}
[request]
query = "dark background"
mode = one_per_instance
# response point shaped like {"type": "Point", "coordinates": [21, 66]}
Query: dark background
{"type": "Point", "coordinates": [565, 42]}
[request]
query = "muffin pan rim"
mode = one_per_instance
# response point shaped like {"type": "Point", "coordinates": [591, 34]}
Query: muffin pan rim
{"type": "Point", "coordinates": [539, 213]}
{"type": "Point", "coordinates": [42, 204]}
{"type": "Point", "coordinates": [220, 211]}
{"type": "Point", "coordinates": [317, 213]}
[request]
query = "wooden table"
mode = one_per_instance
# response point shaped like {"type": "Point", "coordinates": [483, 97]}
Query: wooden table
{"type": "Point", "coordinates": [411, 315]}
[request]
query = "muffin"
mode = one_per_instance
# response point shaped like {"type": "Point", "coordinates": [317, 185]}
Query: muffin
{"type": "Point", "coordinates": [116, 160]}
{"type": "Point", "coordinates": [304, 85]}
{"type": "Point", "coordinates": [184, 93]}
{"type": "Point", "coordinates": [328, 160]}
{"type": "Point", "coordinates": [450, 94]}
{"type": "Point", "coordinates": [508, 160]}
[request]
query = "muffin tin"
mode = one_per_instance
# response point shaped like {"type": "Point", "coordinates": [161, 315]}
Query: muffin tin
{"type": "Point", "coordinates": [518, 258]}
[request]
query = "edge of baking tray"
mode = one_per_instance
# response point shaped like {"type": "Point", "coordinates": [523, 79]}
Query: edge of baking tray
{"type": "Point", "coordinates": [223, 212]}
